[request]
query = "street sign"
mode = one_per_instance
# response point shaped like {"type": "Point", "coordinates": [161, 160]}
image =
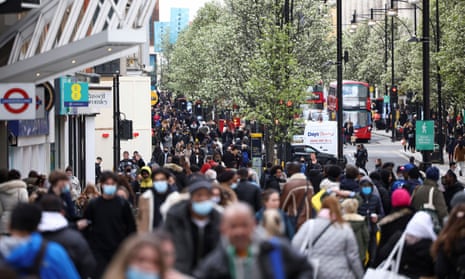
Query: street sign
{"type": "Point", "coordinates": [76, 94]}
{"type": "Point", "coordinates": [424, 135]}
{"type": "Point", "coordinates": [17, 101]}
{"type": "Point", "coordinates": [40, 102]}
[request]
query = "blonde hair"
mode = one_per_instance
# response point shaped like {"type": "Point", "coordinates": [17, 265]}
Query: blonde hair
{"type": "Point", "coordinates": [350, 206]}
{"type": "Point", "coordinates": [127, 251]}
{"type": "Point", "coordinates": [273, 223]}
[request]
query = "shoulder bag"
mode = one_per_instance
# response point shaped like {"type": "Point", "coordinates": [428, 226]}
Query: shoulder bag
{"type": "Point", "coordinates": [306, 249]}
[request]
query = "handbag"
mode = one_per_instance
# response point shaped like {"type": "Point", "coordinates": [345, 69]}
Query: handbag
{"type": "Point", "coordinates": [306, 249]}
{"type": "Point", "coordinates": [389, 269]}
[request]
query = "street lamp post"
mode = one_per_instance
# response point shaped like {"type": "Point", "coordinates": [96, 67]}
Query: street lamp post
{"type": "Point", "coordinates": [439, 87]}
{"type": "Point", "coordinates": [393, 117]}
{"type": "Point", "coordinates": [426, 75]}
{"type": "Point", "coordinates": [339, 53]}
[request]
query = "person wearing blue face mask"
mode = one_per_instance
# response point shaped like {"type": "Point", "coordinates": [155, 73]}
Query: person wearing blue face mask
{"type": "Point", "coordinates": [140, 257]}
{"type": "Point", "coordinates": [110, 220]}
{"type": "Point", "coordinates": [194, 226]}
{"type": "Point", "coordinates": [59, 186]}
{"type": "Point", "coordinates": [150, 202]}
{"type": "Point", "coordinates": [371, 208]}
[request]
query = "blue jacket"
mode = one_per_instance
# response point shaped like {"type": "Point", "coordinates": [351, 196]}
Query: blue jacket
{"type": "Point", "coordinates": [55, 264]}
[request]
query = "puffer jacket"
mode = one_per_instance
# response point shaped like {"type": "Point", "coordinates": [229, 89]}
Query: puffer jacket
{"type": "Point", "coordinates": [360, 228]}
{"type": "Point", "coordinates": [146, 183]}
{"type": "Point", "coordinates": [11, 193]}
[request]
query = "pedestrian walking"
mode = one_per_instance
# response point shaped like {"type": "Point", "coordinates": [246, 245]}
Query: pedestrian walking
{"type": "Point", "coordinates": [459, 156]}
{"type": "Point", "coordinates": [246, 191]}
{"type": "Point", "coordinates": [12, 192]}
{"type": "Point", "coordinates": [270, 200]}
{"type": "Point", "coordinates": [108, 220]}
{"type": "Point", "coordinates": [329, 242]}
{"type": "Point", "coordinates": [140, 257]}
{"type": "Point", "coordinates": [243, 254]}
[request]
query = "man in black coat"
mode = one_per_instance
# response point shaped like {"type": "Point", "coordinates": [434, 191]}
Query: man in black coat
{"type": "Point", "coordinates": [452, 186]}
{"type": "Point", "coordinates": [194, 226]}
{"type": "Point", "coordinates": [248, 192]}
{"type": "Point", "coordinates": [54, 227]}
{"type": "Point", "coordinates": [242, 254]}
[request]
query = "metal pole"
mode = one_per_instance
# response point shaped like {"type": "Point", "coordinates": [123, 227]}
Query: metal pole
{"type": "Point", "coordinates": [340, 151]}
{"type": "Point", "coordinates": [439, 87]}
{"type": "Point", "coordinates": [116, 123]}
{"type": "Point", "coordinates": [393, 116]}
{"type": "Point", "coordinates": [426, 68]}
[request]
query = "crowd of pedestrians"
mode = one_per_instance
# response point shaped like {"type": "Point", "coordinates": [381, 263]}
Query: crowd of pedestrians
{"type": "Point", "coordinates": [197, 209]}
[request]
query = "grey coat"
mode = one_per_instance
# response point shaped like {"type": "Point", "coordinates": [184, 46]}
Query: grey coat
{"type": "Point", "coordinates": [336, 249]}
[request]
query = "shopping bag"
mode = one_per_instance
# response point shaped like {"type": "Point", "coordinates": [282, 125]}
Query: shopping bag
{"type": "Point", "coordinates": [389, 269]}
{"type": "Point", "coordinates": [316, 200]}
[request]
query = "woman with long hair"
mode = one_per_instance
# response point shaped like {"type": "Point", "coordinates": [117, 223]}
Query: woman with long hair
{"type": "Point", "coordinates": [449, 248]}
{"type": "Point", "coordinates": [330, 241]}
{"type": "Point", "coordinates": [140, 256]}
{"type": "Point", "coordinates": [270, 201]}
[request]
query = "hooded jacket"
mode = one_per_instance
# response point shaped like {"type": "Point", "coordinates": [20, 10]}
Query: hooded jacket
{"type": "Point", "coordinates": [11, 193]}
{"type": "Point", "coordinates": [54, 227]}
{"type": "Point", "coordinates": [360, 228]}
{"type": "Point", "coordinates": [55, 264]}
{"type": "Point", "coordinates": [147, 182]}
{"type": "Point", "coordinates": [421, 195]}
{"type": "Point", "coordinates": [150, 203]}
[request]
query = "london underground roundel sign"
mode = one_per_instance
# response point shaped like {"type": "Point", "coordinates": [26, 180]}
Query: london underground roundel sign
{"type": "Point", "coordinates": [17, 101]}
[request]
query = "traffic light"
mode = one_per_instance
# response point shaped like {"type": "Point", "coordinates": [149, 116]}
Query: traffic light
{"type": "Point", "coordinates": [394, 95]}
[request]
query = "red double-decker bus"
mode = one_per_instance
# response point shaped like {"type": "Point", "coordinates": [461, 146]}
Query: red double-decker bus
{"type": "Point", "coordinates": [356, 107]}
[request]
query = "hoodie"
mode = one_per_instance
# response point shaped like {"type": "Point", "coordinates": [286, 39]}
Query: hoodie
{"type": "Point", "coordinates": [147, 182]}
{"type": "Point", "coordinates": [55, 263]}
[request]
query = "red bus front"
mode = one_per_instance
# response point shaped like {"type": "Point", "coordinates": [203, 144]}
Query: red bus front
{"type": "Point", "coordinates": [356, 107]}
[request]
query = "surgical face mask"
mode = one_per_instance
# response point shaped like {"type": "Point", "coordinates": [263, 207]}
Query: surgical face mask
{"type": "Point", "coordinates": [367, 190]}
{"type": "Point", "coordinates": [234, 186]}
{"type": "Point", "coordinates": [160, 186]}
{"type": "Point", "coordinates": [216, 199]}
{"type": "Point", "coordinates": [109, 189]}
{"type": "Point", "coordinates": [202, 208]}
{"type": "Point", "coordinates": [135, 273]}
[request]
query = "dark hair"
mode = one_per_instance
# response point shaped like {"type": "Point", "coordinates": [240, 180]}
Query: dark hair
{"type": "Point", "coordinates": [351, 172]}
{"type": "Point", "coordinates": [14, 175]}
{"type": "Point", "coordinates": [414, 173]}
{"type": "Point", "coordinates": [33, 174]}
{"type": "Point", "coordinates": [107, 175]}
{"type": "Point", "coordinates": [3, 175]}
{"type": "Point", "coordinates": [243, 173]}
{"type": "Point", "coordinates": [56, 176]}
{"type": "Point", "coordinates": [51, 203]}
{"type": "Point", "coordinates": [292, 168]}
{"type": "Point", "coordinates": [194, 168]}
{"type": "Point", "coordinates": [333, 172]}
{"type": "Point", "coordinates": [452, 232]}
{"type": "Point", "coordinates": [375, 176]}
{"type": "Point", "coordinates": [25, 217]}
{"type": "Point", "coordinates": [267, 194]}
{"type": "Point", "coordinates": [69, 168]}
{"type": "Point", "coordinates": [275, 169]}
{"type": "Point", "coordinates": [162, 171]}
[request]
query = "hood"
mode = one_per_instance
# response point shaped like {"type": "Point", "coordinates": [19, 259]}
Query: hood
{"type": "Point", "coordinates": [9, 243]}
{"type": "Point", "coordinates": [297, 176]}
{"type": "Point", "coordinates": [173, 167]}
{"type": "Point", "coordinates": [353, 217]}
{"type": "Point", "coordinates": [24, 254]}
{"type": "Point", "coordinates": [421, 226]}
{"type": "Point", "coordinates": [148, 169]}
{"type": "Point", "coordinates": [11, 186]}
{"type": "Point", "coordinates": [52, 221]}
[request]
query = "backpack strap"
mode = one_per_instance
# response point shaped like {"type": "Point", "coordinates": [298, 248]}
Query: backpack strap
{"type": "Point", "coordinates": [34, 269]}
{"type": "Point", "coordinates": [276, 259]}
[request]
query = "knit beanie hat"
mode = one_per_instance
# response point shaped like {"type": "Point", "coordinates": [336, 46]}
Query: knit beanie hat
{"type": "Point", "coordinates": [432, 173]}
{"type": "Point", "coordinates": [400, 198]}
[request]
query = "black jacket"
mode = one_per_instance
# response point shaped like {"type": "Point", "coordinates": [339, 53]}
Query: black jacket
{"type": "Point", "coordinates": [76, 247]}
{"type": "Point", "coordinates": [453, 266]}
{"type": "Point", "coordinates": [249, 193]}
{"type": "Point", "coordinates": [180, 226]}
{"type": "Point", "coordinates": [350, 185]}
{"type": "Point", "coordinates": [296, 266]}
{"type": "Point", "coordinates": [451, 191]}
{"type": "Point", "coordinates": [273, 183]}
{"type": "Point", "coordinates": [416, 260]}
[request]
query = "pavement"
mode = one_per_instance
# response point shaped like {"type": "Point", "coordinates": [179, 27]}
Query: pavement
{"type": "Point", "coordinates": [443, 168]}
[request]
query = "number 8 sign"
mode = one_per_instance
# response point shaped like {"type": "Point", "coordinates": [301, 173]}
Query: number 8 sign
{"type": "Point", "coordinates": [76, 94]}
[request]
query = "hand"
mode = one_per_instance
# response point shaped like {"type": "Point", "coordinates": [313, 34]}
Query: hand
{"type": "Point", "coordinates": [374, 218]}
{"type": "Point", "coordinates": [82, 224]}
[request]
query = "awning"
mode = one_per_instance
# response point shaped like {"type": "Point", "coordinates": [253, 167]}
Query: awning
{"type": "Point", "coordinates": [88, 52]}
